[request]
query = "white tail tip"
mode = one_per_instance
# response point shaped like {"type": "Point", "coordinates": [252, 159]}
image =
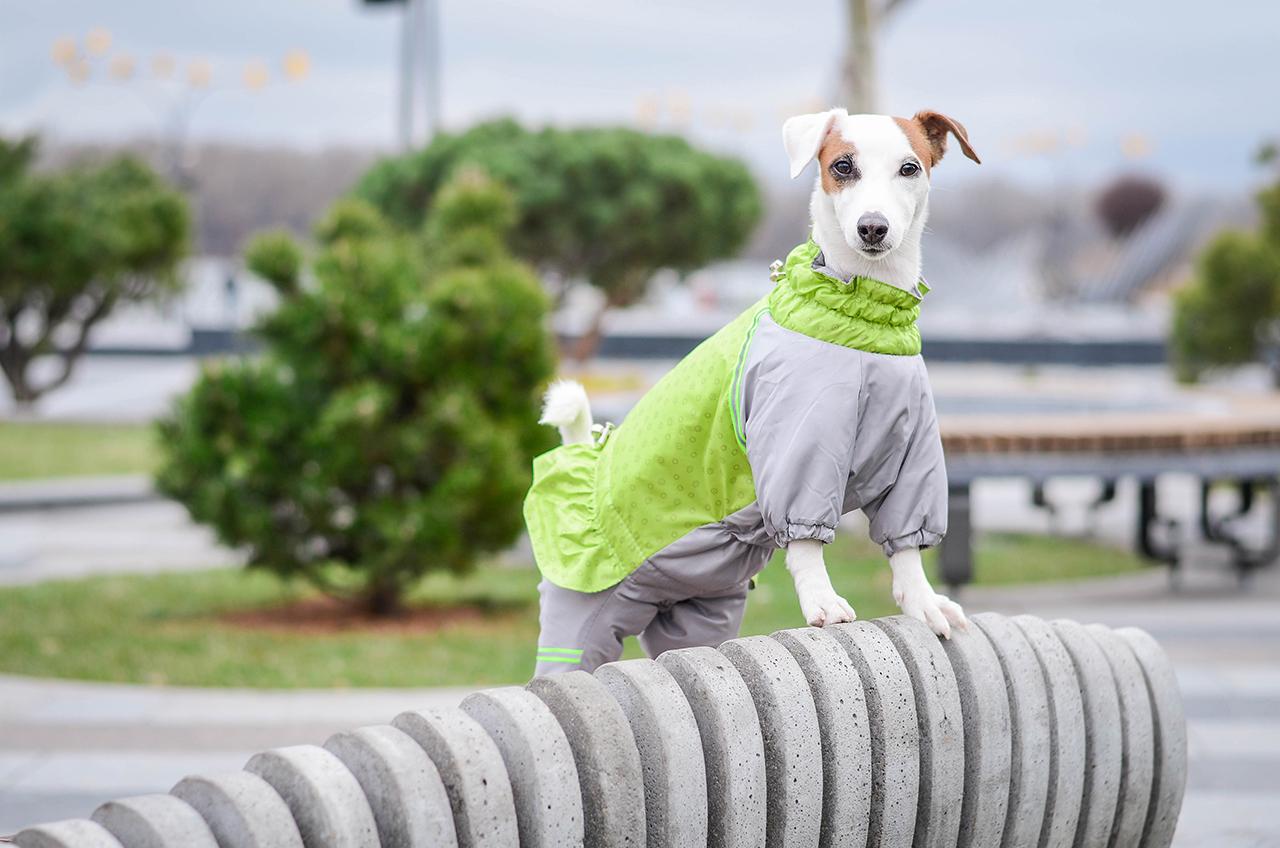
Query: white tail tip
{"type": "Point", "coordinates": [566, 407]}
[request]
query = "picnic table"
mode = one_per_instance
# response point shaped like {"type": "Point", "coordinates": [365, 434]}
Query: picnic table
{"type": "Point", "coordinates": [1236, 445]}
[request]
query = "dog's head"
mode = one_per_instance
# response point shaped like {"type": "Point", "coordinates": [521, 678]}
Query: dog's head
{"type": "Point", "coordinates": [873, 170]}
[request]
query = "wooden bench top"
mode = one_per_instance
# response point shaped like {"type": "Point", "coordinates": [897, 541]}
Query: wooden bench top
{"type": "Point", "coordinates": [1242, 426]}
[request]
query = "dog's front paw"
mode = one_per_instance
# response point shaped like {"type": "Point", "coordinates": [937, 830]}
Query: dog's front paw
{"type": "Point", "coordinates": [823, 608]}
{"type": "Point", "coordinates": [939, 612]}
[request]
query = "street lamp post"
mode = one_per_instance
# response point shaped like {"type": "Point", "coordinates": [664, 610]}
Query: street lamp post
{"type": "Point", "coordinates": [430, 17]}
{"type": "Point", "coordinates": [405, 124]}
{"type": "Point", "coordinates": [419, 64]}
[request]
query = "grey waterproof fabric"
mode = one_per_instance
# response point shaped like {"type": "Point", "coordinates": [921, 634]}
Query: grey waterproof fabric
{"type": "Point", "coordinates": [831, 429]}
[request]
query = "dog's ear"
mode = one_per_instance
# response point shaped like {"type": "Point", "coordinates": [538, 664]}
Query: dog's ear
{"type": "Point", "coordinates": [803, 136]}
{"type": "Point", "coordinates": [935, 127]}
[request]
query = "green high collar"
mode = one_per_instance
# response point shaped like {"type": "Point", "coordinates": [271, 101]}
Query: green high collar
{"type": "Point", "coordinates": [860, 313]}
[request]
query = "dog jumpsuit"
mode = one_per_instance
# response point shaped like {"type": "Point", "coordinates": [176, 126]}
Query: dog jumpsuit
{"type": "Point", "coordinates": [812, 403]}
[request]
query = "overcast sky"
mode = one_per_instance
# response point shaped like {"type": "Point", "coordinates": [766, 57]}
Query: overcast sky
{"type": "Point", "coordinates": [1197, 83]}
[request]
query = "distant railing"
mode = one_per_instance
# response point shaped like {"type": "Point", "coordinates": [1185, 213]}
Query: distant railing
{"type": "Point", "coordinates": [216, 342]}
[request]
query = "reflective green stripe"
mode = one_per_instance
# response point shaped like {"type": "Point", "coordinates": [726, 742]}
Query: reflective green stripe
{"type": "Point", "coordinates": [575, 652]}
{"type": "Point", "coordinates": [735, 387]}
{"type": "Point", "coordinates": [570, 660]}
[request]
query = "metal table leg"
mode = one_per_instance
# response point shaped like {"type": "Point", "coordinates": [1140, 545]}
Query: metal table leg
{"type": "Point", "coordinates": [955, 555]}
{"type": "Point", "coordinates": [1148, 520]}
{"type": "Point", "coordinates": [1220, 528]}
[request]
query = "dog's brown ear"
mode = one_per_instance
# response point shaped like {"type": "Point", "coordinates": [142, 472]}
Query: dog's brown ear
{"type": "Point", "coordinates": [935, 127]}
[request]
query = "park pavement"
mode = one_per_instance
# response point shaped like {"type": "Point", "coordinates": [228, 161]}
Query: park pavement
{"type": "Point", "coordinates": [65, 747]}
{"type": "Point", "coordinates": [135, 534]}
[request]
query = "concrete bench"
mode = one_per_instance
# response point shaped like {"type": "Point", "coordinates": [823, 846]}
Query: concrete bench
{"type": "Point", "coordinates": [1019, 732]}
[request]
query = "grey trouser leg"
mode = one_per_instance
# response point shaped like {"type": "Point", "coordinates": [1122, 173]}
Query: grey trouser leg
{"type": "Point", "coordinates": [585, 631]}
{"type": "Point", "coordinates": [696, 622]}
{"type": "Point", "coordinates": [692, 593]}
{"type": "Point", "coordinates": [582, 630]}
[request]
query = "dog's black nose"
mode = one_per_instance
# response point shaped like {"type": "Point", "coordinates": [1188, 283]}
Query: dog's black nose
{"type": "Point", "coordinates": [872, 228]}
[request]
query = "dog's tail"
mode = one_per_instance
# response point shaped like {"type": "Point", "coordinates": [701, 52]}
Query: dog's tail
{"type": "Point", "coordinates": [566, 407]}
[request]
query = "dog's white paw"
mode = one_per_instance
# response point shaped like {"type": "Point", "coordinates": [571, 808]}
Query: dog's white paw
{"type": "Point", "coordinates": [823, 608]}
{"type": "Point", "coordinates": [939, 612]}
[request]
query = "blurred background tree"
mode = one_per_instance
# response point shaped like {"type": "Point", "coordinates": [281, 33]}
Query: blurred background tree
{"type": "Point", "coordinates": [1127, 202]}
{"type": "Point", "coordinates": [74, 245]}
{"type": "Point", "coordinates": [387, 431]}
{"type": "Point", "coordinates": [1230, 313]}
{"type": "Point", "coordinates": [612, 206]}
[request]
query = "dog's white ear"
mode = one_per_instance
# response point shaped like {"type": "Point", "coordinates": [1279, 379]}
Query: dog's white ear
{"type": "Point", "coordinates": [803, 136]}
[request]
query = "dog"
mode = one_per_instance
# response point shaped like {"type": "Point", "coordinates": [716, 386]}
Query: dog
{"type": "Point", "coordinates": [812, 403]}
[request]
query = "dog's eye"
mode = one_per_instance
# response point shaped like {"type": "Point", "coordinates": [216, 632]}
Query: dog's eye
{"type": "Point", "coordinates": [909, 169]}
{"type": "Point", "coordinates": [843, 167]}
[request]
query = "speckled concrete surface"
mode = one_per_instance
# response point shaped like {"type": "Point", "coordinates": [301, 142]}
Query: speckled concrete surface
{"type": "Point", "coordinates": [732, 745]}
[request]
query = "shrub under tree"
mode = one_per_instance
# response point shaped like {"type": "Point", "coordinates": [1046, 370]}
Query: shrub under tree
{"type": "Point", "coordinates": [609, 205]}
{"type": "Point", "coordinates": [74, 245]}
{"type": "Point", "coordinates": [387, 431]}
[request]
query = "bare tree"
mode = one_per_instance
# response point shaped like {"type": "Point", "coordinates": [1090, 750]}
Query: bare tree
{"type": "Point", "coordinates": [238, 189]}
{"type": "Point", "coordinates": [858, 69]}
{"type": "Point", "coordinates": [74, 245]}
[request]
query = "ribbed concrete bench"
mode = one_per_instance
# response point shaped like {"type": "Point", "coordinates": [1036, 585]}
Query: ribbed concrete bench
{"type": "Point", "coordinates": [1019, 732]}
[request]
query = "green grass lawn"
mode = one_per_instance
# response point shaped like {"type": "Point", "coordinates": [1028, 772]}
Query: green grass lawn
{"type": "Point", "coordinates": [34, 449]}
{"type": "Point", "coordinates": [168, 628]}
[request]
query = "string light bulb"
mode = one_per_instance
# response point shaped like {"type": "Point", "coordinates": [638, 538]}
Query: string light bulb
{"type": "Point", "coordinates": [98, 41]}
{"type": "Point", "coordinates": [78, 71]}
{"type": "Point", "coordinates": [1136, 146]}
{"type": "Point", "coordinates": [122, 67]}
{"type": "Point", "coordinates": [64, 51]}
{"type": "Point", "coordinates": [297, 65]}
{"type": "Point", "coordinates": [255, 75]}
{"type": "Point", "coordinates": [162, 66]}
{"type": "Point", "coordinates": [199, 74]}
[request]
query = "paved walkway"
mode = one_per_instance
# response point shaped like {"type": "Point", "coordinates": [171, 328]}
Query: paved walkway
{"type": "Point", "coordinates": [65, 747]}
{"type": "Point", "coordinates": [132, 537]}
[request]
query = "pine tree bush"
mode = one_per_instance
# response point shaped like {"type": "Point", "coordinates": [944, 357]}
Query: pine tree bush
{"type": "Point", "coordinates": [387, 430]}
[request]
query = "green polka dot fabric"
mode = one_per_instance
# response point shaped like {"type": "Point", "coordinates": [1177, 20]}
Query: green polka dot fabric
{"type": "Point", "coordinates": [595, 514]}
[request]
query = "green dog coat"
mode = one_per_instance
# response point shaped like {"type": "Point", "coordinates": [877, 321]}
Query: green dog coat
{"type": "Point", "coordinates": [810, 404]}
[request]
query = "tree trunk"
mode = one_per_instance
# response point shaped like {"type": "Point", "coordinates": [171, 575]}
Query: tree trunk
{"type": "Point", "coordinates": [15, 358]}
{"type": "Point", "coordinates": [857, 77]}
{"type": "Point", "coordinates": [383, 599]}
{"type": "Point", "coordinates": [588, 343]}
{"type": "Point", "coordinates": [858, 69]}
{"type": "Point", "coordinates": [24, 401]}
{"type": "Point", "coordinates": [14, 362]}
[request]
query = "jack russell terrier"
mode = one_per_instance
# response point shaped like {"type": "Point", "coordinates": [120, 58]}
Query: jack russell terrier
{"type": "Point", "coordinates": [812, 403]}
